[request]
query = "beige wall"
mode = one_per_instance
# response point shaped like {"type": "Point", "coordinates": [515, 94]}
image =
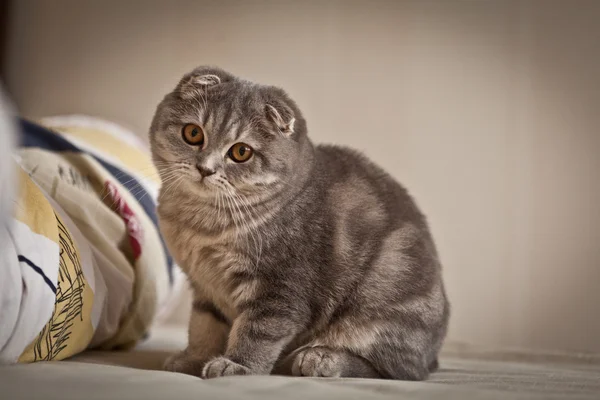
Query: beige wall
{"type": "Point", "coordinates": [489, 111]}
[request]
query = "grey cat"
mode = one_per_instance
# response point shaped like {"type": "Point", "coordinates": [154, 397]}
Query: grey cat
{"type": "Point", "coordinates": [304, 260]}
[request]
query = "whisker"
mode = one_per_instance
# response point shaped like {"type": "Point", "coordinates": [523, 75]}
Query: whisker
{"type": "Point", "coordinates": [254, 233]}
{"type": "Point", "coordinates": [254, 213]}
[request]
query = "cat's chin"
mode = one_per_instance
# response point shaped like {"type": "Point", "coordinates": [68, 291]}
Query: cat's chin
{"type": "Point", "coordinates": [196, 187]}
{"type": "Point", "coordinates": [203, 189]}
{"type": "Point", "coordinates": [209, 190]}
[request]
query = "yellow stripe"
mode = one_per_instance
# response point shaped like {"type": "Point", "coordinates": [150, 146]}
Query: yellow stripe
{"type": "Point", "coordinates": [70, 329]}
{"type": "Point", "coordinates": [130, 156]}
{"type": "Point", "coordinates": [33, 209]}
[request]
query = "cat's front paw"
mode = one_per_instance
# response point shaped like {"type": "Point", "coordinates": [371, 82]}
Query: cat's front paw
{"type": "Point", "coordinates": [184, 363]}
{"type": "Point", "coordinates": [317, 361]}
{"type": "Point", "coordinates": [222, 366]}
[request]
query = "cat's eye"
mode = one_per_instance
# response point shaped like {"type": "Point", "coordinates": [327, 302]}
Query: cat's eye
{"type": "Point", "coordinates": [193, 135]}
{"type": "Point", "coordinates": [240, 152]}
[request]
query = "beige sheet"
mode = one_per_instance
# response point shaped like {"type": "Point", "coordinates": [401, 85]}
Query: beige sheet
{"type": "Point", "coordinates": [113, 375]}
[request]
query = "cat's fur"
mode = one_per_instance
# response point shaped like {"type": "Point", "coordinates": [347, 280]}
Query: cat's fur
{"type": "Point", "coordinates": [308, 260]}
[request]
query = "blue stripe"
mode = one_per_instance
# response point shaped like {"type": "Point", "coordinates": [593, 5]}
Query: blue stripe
{"type": "Point", "coordinates": [37, 269]}
{"type": "Point", "coordinates": [39, 137]}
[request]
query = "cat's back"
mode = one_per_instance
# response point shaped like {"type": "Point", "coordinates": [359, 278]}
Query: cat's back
{"type": "Point", "coordinates": [380, 238]}
{"type": "Point", "coordinates": [352, 178]}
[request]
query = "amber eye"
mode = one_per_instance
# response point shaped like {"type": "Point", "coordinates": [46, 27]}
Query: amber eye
{"type": "Point", "coordinates": [193, 135]}
{"type": "Point", "coordinates": [240, 152]}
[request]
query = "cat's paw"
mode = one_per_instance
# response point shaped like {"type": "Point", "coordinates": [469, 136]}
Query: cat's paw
{"type": "Point", "coordinates": [183, 363]}
{"type": "Point", "coordinates": [222, 366]}
{"type": "Point", "coordinates": [317, 361]}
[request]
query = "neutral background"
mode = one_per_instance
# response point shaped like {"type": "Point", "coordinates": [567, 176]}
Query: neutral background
{"type": "Point", "coordinates": [489, 111]}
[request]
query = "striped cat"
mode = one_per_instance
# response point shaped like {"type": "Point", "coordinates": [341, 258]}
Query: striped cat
{"type": "Point", "coordinates": [304, 260]}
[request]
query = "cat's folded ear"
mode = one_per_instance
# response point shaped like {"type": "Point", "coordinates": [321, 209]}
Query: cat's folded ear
{"type": "Point", "coordinates": [282, 116]}
{"type": "Point", "coordinates": [200, 79]}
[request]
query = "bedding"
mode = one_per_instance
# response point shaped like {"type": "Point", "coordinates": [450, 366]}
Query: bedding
{"type": "Point", "coordinates": [133, 375]}
{"type": "Point", "coordinates": [84, 265]}
{"type": "Point", "coordinates": [7, 136]}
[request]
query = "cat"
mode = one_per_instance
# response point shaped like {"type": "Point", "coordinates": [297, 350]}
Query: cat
{"type": "Point", "coordinates": [304, 260]}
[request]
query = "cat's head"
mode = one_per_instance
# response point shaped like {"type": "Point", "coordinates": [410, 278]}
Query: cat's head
{"type": "Point", "coordinates": [216, 132]}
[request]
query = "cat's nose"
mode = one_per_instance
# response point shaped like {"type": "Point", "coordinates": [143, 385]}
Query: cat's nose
{"type": "Point", "coordinates": [204, 171]}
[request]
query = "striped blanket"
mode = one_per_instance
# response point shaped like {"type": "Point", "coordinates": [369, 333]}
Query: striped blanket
{"type": "Point", "coordinates": [84, 265]}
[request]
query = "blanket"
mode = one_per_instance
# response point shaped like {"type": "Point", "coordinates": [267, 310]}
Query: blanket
{"type": "Point", "coordinates": [84, 265]}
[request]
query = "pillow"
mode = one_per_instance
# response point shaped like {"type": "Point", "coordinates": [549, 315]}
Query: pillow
{"type": "Point", "coordinates": [84, 243]}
